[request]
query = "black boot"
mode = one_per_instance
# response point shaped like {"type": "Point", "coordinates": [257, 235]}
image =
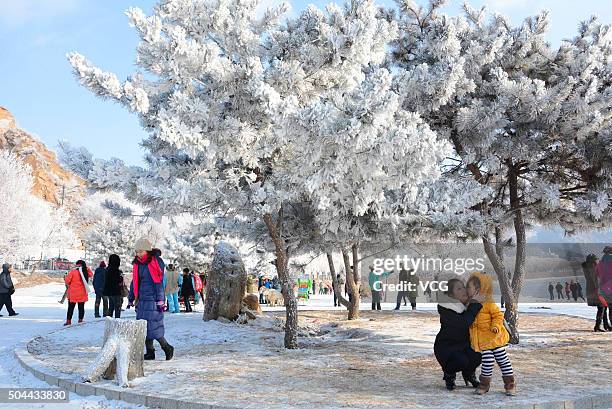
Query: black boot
{"type": "Point", "coordinates": [449, 378]}
{"type": "Point", "coordinates": [167, 348]}
{"type": "Point", "coordinates": [606, 324]}
{"type": "Point", "coordinates": [150, 355]}
{"type": "Point", "coordinates": [470, 378]}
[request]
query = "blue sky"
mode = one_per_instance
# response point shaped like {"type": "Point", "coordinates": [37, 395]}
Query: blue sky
{"type": "Point", "coordinates": [37, 86]}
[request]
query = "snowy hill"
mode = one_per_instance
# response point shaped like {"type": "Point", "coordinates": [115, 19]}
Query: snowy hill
{"type": "Point", "coordinates": [52, 182]}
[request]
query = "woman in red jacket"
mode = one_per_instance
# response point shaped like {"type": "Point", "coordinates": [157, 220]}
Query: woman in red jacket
{"type": "Point", "coordinates": [78, 288]}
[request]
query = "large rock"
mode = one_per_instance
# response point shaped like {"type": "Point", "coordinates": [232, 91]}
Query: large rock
{"type": "Point", "coordinates": [226, 285]}
{"type": "Point", "coordinates": [251, 302]}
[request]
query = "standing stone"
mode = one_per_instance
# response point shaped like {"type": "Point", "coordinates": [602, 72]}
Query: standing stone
{"type": "Point", "coordinates": [226, 285]}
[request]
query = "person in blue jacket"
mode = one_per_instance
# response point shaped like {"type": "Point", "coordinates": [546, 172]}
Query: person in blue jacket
{"type": "Point", "coordinates": [98, 284]}
{"type": "Point", "coordinates": [147, 294]}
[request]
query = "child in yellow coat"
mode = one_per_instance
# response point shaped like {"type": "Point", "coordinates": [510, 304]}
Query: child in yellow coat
{"type": "Point", "coordinates": [489, 336]}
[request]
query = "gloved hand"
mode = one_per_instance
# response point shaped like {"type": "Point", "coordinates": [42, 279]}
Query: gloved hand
{"type": "Point", "coordinates": [130, 305]}
{"type": "Point", "coordinates": [160, 306]}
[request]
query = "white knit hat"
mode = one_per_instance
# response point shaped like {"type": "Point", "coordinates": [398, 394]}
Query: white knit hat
{"type": "Point", "coordinates": [143, 244]}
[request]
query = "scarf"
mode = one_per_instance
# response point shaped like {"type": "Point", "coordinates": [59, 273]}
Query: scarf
{"type": "Point", "coordinates": [156, 273]}
{"type": "Point", "coordinates": [87, 289]}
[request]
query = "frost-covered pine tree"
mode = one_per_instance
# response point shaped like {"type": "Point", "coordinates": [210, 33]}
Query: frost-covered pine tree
{"type": "Point", "coordinates": [110, 224]}
{"type": "Point", "coordinates": [223, 91]}
{"type": "Point", "coordinates": [528, 122]}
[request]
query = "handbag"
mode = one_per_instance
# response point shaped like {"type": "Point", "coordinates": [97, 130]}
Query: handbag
{"type": "Point", "coordinates": [5, 282]}
{"type": "Point", "coordinates": [124, 290]}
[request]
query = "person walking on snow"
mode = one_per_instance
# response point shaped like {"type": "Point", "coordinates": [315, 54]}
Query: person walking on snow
{"type": "Point", "coordinates": [402, 293]}
{"type": "Point", "coordinates": [551, 291]}
{"type": "Point", "coordinates": [413, 290]}
{"type": "Point", "coordinates": [98, 284]}
{"type": "Point", "coordinates": [594, 299]}
{"type": "Point", "coordinates": [113, 286]}
{"type": "Point", "coordinates": [147, 295]}
{"type": "Point", "coordinates": [574, 290]}
{"type": "Point", "coordinates": [579, 291]}
{"type": "Point", "coordinates": [568, 290]}
{"type": "Point", "coordinates": [187, 289]}
{"type": "Point", "coordinates": [375, 281]}
{"type": "Point", "coordinates": [7, 289]}
{"type": "Point", "coordinates": [604, 275]}
{"type": "Point", "coordinates": [489, 336]}
{"type": "Point", "coordinates": [77, 281]}
{"type": "Point", "coordinates": [171, 289]}
{"type": "Point", "coordinates": [559, 288]}
{"type": "Point", "coordinates": [202, 276]}
{"type": "Point", "coordinates": [198, 286]}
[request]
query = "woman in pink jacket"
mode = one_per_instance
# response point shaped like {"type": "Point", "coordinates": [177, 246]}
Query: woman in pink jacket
{"type": "Point", "coordinates": [77, 281]}
{"type": "Point", "coordinates": [604, 274]}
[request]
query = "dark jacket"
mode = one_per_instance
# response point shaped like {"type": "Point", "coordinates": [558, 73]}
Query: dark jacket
{"type": "Point", "coordinates": [6, 283]}
{"type": "Point", "coordinates": [404, 276]}
{"type": "Point", "coordinates": [187, 288]}
{"type": "Point", "coordinates": [149, 294]}
{"type": "Point", "coordinates": [113, 277]}
{"type": "Point", "coordinates": [98, 280]}
{"type": "Point", "coordinates": [454, 335]}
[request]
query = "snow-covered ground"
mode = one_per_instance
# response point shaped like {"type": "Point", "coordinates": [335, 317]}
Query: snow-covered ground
{"type": "Point", "coordinates": [326, 302]}
{"type": "Point", "coordinates": [41, 314]}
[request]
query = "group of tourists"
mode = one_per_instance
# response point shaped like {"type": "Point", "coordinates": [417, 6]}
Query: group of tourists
{"type": "Point", "coordinates": [187, 286]}
{"type": "Point", "coordinates": [408, 288]}
{"type": "Point", "coordinates": [108, 284]}
{"type": "Point", "coordinates": [147, 292]}
{"type": "Point", "coordinates": [573, 288]}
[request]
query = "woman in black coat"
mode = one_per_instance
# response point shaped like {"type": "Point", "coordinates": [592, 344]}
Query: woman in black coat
{"type": "Point", "coordinates": [187, 289]}
{"type": "Point", "coordinates": [113, 285]}
{"type": "Point", "coordinates": [452, 346]}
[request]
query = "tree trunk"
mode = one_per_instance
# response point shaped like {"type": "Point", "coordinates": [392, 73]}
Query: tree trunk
{"type": "Point", "coordinates": [121, 356]}
{"type": "Point", "coordinates": [511, 290]}
{"type": "Point", "coordinates": [335, 284]}
{"type": "Point", "coordinates": [353, 287]}
{"type": "Point", "coordinates": [519, 263]}
{"type": "Point", "coordinates": [226, 284]}
{"type": "Point", "coordinates": [356, 278]}
{"type": "Point", "coordinates": [282, 261]}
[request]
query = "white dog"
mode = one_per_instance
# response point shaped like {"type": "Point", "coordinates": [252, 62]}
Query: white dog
{"type": "Point", "coordinates": [274, 298]}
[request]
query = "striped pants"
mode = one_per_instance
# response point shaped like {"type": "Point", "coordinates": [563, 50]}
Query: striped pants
{"type": "Point", "coordinates": [490, 356]}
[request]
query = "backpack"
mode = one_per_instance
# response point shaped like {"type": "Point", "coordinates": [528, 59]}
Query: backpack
{"type": "Point", "coordinates": [198, 283]}
{"type": "Point", "coordinates": [5, 282]}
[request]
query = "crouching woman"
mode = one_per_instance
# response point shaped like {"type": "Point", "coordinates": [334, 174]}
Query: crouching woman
{"type": "Point", "coordinates": [452, 346]}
